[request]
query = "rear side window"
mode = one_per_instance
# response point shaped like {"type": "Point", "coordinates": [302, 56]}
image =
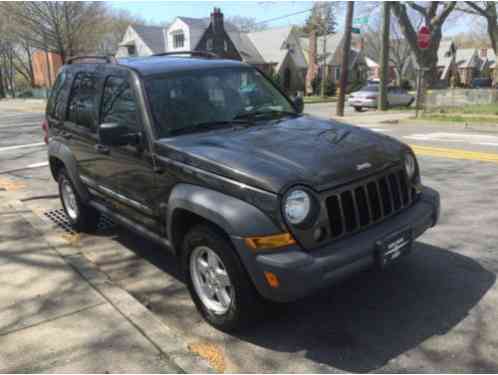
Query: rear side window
{"type": "Point", "coordinates": [119, 104]}
{"type": "Point", "coordinates": [81, 109]}
{"type": "Point", "coordinates": [55, 105]}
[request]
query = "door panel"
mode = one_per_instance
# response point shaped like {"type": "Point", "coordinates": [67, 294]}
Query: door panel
{"type": "Point", "coordinates": [127, 171]}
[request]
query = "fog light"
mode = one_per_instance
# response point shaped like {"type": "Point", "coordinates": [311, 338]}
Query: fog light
{"type": "Point", "coordinates": [272, 279]}
{"type": "Point", "coordinates": [319, 234]}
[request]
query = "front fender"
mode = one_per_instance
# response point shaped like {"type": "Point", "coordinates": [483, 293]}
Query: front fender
{"type": "Point", "coordinates": [234, 216]}
{"type": "Point", "coordinates": [62, 153]}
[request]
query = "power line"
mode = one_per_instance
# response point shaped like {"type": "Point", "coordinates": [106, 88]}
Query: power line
{"type": "Point", "coordinates": [290, 15]}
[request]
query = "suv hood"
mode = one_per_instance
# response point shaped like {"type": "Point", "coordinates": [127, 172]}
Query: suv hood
{"type": "Point", "coordinates": [277, 154]}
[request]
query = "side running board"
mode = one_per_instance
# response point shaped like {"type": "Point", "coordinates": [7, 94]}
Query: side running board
{"type": "Point", "coordinates": [137, 228]}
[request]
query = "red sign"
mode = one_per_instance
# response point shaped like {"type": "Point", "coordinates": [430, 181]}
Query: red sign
{"type": "Point", "coordinates": [424, 37]}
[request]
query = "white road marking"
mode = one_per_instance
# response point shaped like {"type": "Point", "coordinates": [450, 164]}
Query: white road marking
{"type": "Point", "coordinates": [37, 165]}
{"type": "Point", "coordinates": [9, 148]}
{"type": "Point", "coordinates": [475, 139]}
{"type": "Point", "coordinates": [21, 124]}
{"type": "Point", "coordinates": [2, 116]}
{"type": "Point", "coordinates": [374, 129]}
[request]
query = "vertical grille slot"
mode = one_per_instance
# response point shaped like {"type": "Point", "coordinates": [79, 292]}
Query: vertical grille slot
{"type": "Point", "coordinates": [361, 201]}
{"type": "Point", "coordinates": [395, 191]}
{"type": "Point", "coordinates": [366, 203]}
{"type": "Point", "coordinates": [374, 198]}
{"type": "Point", "coordinates": [335, 216]}
{"type": "Point", "coordinates": [404, 188]}
{"type": "Point", "coordinates": [349, 211]}
{"type": "Point", "coordinates": [385, 195]}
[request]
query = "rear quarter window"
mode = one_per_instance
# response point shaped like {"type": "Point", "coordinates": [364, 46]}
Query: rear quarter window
{"type": "Point", "coordinates": [55, 105]}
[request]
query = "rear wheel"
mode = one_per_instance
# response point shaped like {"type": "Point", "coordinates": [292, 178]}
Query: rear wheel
{"type": "Point", "coordinates": [217, 281]}
{"type": "Point", "coordinates": [81, 216]}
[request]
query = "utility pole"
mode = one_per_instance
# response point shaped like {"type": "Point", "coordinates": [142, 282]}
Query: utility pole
{"type": "Point", "coordinates": [345, 59]}
{"type": "Point", "coordinates": [384, 55]}
{"type": "Point", "coordinates": [324, 66]}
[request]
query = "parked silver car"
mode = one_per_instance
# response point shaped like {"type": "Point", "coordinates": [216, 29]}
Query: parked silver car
{"type": "Point", "coordinates": [367, 97]}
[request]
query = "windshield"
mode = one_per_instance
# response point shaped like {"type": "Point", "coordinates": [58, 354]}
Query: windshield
{"type": "Point", "coordinates": [187, 100]}
{"type": "Point", "coordinates": [370, 88]}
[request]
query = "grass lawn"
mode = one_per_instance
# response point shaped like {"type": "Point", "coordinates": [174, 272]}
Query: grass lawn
{"type": "Point", "coordinates": [481, 113]}
{"type": "Point", "coordinates": [474, 109]}
{"type": "Point", "coordinates": [461, 118]}
{"type": "Point", "coordinates": [319, 99]}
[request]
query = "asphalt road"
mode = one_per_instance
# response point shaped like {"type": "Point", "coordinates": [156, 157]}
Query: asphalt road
{"type": "Point", "coordinates": [434, 310]}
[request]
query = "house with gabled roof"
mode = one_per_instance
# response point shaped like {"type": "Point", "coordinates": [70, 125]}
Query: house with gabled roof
{"type": "Point", "coordinates": [275, 51]}
{"type": "Point", "coordinates": [329, 51]}
{"type": "Point", "coordinates": [140, 40]}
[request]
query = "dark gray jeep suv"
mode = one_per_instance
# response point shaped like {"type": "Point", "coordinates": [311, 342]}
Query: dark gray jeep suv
{"type": "Point", "coordinates": [209, 158]}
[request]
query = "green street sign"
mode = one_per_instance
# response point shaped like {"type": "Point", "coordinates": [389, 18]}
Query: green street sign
{"type": "Point", "coordinates": [360, 20]}
{"type": "Point", "coordinates": [355, 30]}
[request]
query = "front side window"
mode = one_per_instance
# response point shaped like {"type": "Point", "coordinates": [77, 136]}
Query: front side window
{"type": "Point", "coordinates": [118, 104]}
{"type": "Point", "coordinates": [186, 100]}
{"type": "Point", "coordinates": [178, 40]}
{"type": "Point", "coordinates": [81, 108]}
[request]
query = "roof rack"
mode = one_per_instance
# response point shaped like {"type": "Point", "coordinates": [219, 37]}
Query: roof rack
{"type": "Point", "coordinates": [209, 55]}
{"type": "Point", "coordinates": [107, 59]}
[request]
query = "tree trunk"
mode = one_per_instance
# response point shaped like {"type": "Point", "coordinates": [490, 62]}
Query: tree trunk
{"type": "Point", "coordinates": [2, 89]}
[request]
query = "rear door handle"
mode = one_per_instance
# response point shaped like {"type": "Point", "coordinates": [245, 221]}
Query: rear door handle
{"type": "Point", "coordinates": [66, 135]}
{"type": "Point", "coordinates": [101, 149]}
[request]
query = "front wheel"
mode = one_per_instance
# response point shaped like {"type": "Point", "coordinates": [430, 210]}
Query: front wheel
{"type": "Point", "coordinates": [81, 216]}
{"type": "Point", "coordinates": [358, 109]}
{"type": "Point", "coordinates": [217, 281]}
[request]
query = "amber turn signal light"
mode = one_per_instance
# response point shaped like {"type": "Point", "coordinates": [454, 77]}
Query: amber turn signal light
{"type": "Point", "coordinates": [272, 279]}
{"type": "Point", "coordinates": [270, 242]}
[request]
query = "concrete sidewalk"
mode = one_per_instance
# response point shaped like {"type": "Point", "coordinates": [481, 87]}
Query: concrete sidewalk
{"type": "Point", "coordinates": [23, 105]}
{"type": "Point", "coordinates": [58, 313]}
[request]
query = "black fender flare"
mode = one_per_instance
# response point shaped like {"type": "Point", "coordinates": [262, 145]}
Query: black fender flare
{"type": "Point", "coordinates": [236, 217]}
{"type": "Point", "coordinates": [61, 152]}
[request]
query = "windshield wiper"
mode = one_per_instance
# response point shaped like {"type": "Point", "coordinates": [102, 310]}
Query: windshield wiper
{"type": "Point", "coordinates": [208, 125]}
{"type": "Point", "coordinates": [254, 114]}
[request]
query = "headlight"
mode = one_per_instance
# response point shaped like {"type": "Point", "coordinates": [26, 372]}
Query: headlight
{"type": "Point", "coordinates": [410, 165]}
{"type": "Point", "coordinates": [297, 207]}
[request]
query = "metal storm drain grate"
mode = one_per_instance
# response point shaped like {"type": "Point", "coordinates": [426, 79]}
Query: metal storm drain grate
{"type": "Point", "coordinates": [59, 218]}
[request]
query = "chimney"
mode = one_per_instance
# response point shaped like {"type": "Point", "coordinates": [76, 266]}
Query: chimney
{"type": "Point", "coordinates": [484, 53]}
{"type": "Point", "coordinates": [312, 63]}
{"type": "Point", "coordinates": [217, 20]}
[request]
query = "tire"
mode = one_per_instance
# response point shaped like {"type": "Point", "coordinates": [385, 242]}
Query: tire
{"type": "Point", "coordinates": [358, 109]}
{"type": "Point", "coordinates": [82, 217]}
{"type": "Point", "coordinates": [245, 304]}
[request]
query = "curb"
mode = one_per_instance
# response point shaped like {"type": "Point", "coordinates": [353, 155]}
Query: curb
{"type": "Point", "coordinates": [168, 342]}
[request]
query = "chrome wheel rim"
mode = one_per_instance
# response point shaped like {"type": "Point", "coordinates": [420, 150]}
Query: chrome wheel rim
{"type": "Point", "coordinates": [69, 199]}
{"type": "Point", "coordinates": [211, 280]}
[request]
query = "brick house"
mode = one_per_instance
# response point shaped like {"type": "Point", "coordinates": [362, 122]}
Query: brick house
{"type": "Point", "coordinates": [45, 67]}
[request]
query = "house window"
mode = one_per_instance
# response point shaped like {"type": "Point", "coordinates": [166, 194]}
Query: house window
{"type": "Point", "coordinates": [225, 45]}
{"type": "Point", "coordinates": [209, 44]}
{"type": "Point", "coordinates": [132, 51]}
{"type": "Point", "coordinates": [178, 40]}
{"type": "Point", "coordinates": [337, 74]}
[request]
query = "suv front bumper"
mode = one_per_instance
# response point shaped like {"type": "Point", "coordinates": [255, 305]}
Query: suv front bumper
{"type": "Point", "coordinates": [300, 272]}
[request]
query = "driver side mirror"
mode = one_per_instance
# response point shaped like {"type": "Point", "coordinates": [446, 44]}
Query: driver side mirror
{"type": "Point", "coordinates": [114, 134]}
{"type": "Point", "coordinates": [298, 104]}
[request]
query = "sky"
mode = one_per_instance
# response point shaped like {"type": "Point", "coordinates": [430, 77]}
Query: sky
{"type": "Point", "coordinates": [161, 12]}
{"type": "Point", "coordinates": [164, 11]}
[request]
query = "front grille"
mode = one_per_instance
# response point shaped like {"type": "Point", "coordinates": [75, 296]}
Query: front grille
{"type": "Point", "coordinates": [369, 202]}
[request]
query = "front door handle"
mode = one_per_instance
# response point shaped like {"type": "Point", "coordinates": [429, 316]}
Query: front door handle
{"type": "Point", "coordinates": [101, 149]}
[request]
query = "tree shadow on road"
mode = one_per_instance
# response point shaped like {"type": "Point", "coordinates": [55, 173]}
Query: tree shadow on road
{"type": "Point", "coordinates": [363, 323]}
{"type": "Point", "coordinates": [356, 326]}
